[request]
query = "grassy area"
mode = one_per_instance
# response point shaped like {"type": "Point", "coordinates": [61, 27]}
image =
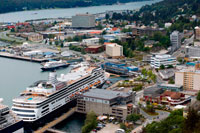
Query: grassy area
{"type": "Point", "coordinates": [9, 41]}
{"type": "Point", "coordinates": [150, 113]}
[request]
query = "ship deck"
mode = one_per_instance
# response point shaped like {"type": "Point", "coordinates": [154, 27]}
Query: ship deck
{"type": "Point", "coordinates": [30, 99]}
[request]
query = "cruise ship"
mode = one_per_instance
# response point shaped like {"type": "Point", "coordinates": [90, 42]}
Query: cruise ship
{"type": "Point", "coordinates": [52, 65]}
{"type": "Point", "coordinates": [44, 97]}
{"type": "Point", "coordinates": [9, 123]}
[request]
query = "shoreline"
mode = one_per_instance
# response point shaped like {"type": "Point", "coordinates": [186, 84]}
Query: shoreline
{"type": "Point", "coordinates": [74, 7]}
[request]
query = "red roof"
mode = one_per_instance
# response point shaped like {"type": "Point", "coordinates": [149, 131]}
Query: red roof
{"type": "Point", "coordinates": [106, 43]}
{"type": "Point", "coordinates": [114, 28]}
{"type": "Point", "coordinates": [173, 95]}
{"type": "Point", "coordinates": [95, 32]}
{"type": "Point", "coordinates": [10, 26]}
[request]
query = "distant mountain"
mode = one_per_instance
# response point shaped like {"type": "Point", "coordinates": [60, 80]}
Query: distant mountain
{"type": "Point", "coordinates": [20, 5]}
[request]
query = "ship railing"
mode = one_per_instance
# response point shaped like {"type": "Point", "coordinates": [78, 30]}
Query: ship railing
{"type": "Point", "coordinates": [24, 106]}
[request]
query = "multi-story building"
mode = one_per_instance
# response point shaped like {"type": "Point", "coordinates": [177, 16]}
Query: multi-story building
{"type": "Point", "coordinates": [91, 41]}
{"type": "Point", "coordinates": [107, 102]}
{"type": "Point", "coordinates": [35, 37]}
{"type": "Point", "coordinates": [114, 50]}
{"type": "Point", "coordinates": [193, 52]}
{"type": "Point", "coordinates": [175, 39]}
{"type": "Point", "coordinates": [197, 33]}
{"type": "Point", "coordinates": [83, 21]}
{"type": "Point", "coordinates": [147, 31]}
{"type": "Point", "coordinates": [189, 79]}
{"type": "Point", "coordinates": [162, 59]}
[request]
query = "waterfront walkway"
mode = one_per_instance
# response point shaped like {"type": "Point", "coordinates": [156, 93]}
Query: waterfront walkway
{"type": "Point", "coordinates": [114, 85]}
{"type": "Point", "coordinates": [56, 121]}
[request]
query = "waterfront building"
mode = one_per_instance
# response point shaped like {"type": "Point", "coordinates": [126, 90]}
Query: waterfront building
{"type": "Point", "coordinates": [9, 123]}
{"type": "Point", "coordinates": [162, 59]}
{"type": "Point", "coordinates": [189, 79]}
{"type": "Point", "coordinates": [197, 33]}
{"type": "Point", "coordinates": [107, 102]}
{"type": "Point", "coordinates": [114, 50]}
{"type": "Point", "coordinates": [83, 21]}
{"type": "Point", "coordinates": [175, 39]}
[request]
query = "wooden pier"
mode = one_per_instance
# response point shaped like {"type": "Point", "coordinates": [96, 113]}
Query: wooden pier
{"type": "Point", "coordinates": [56, 121]}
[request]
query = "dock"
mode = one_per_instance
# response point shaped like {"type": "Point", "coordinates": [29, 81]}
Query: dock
{"type": "Point", "coordinates": [51, 130]}
{"type": "Point", "coordinates": [56, 121]}
{"type": "Point", "coordinates": [12, 56]}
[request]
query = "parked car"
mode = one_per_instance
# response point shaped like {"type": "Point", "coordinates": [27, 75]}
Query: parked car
{"type": "Point", "coordinates": [120, 131]}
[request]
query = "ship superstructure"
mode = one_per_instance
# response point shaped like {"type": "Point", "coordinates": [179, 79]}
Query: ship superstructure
{"type": "Point", "coordinates": [9, 123]}
{"type": "Point", "coordinates": [52, 65]}
{"type": "Point", "coordinates": [44, 97]}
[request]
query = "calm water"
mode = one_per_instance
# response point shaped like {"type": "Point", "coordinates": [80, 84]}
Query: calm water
{"type": "Point", "coordinates": [16, 75]}
{"type": "Point", "coordinates": [72, 124]}
{"type": "Point", "coordinates": [55, 13]}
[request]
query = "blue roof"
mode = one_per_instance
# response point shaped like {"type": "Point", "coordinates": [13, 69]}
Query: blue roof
{"type": "Point", "coordinates": [49, 53]}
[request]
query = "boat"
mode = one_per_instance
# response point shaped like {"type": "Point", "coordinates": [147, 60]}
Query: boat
{"type": "Point", "coordinates": [52, 65]}
{"type": "Point", "coordinates": [47, 96]}
{"type": "Point", "coordinates": [9, 123]}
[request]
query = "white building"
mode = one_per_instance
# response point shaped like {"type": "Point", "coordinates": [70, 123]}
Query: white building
{"type": "Point", "coordinates": [167, 25]}
{"type": "Point", "coordinates": [175, 39]}
{"type": "Point", "coordinates": [91, 41]}
{"type": "Point", "coordinates": [192, 51]}
{"type": "Point", "coordinates": [164, 59]}
{"type": "Point", "coordinates": [83, 21]}
{"type": "Point", "coordinates": [114, 50]}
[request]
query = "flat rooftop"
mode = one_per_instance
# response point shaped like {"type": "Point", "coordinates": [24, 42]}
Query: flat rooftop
{"type": "Point", "coordinates": [104, 94]}
{"type": "Point", "coordinates": [171, 85]}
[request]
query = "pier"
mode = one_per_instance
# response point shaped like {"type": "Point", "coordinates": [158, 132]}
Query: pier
{"type": "Point", "coordinates": [48, 127]}
{"type": "Point", "coordinates": [12, 56]}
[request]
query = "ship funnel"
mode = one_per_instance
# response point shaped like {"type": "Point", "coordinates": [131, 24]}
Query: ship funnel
{"type": "Point", "coordinates": [53, 77]}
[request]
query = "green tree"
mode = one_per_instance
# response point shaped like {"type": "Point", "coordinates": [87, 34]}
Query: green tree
{"type": "Point", "coordinates": [12, 30]}
{"type": "Point", "coordinates": [133, 117]}
{"type": "Point", "coordinates": [171, 81]}
{"type": "Point", "coordinates": [170, 66]}
{"type": "Point", "coordinates": [90, 122]}
{"type": "Point", "coordinates": [162, 67]}
{"type": "Point", "coordinates": [144, 72]}
{"type": "Point", "coordinates": [198, 96]}
{"type": "Point", "coordinates": [123, 126]}
{"type": "Point", "coordinates": [107, 16]}
{"type": "Point", "coordinates": [192, 119]}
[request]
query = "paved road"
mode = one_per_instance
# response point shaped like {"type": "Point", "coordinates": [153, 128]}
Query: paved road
{"type": "Point", "coordinates": [180, 51]}
{"type": "Point", "coordinates": [162, 115]}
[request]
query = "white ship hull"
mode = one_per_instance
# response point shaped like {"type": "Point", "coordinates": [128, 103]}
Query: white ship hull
{"type": "Point", "coordinates": [30, 112]}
